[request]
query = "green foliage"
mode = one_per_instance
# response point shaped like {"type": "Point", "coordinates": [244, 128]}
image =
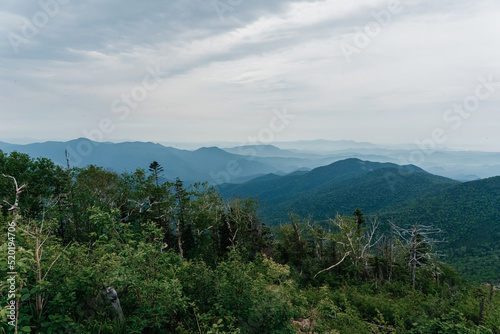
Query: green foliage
{"type": "Point", "coordinates": [451, 323]}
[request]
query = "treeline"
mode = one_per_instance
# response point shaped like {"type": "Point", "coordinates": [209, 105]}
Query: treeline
{"type": "Point", "coordinates": [184, 260]}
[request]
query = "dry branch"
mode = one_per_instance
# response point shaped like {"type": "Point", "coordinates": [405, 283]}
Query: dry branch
{"type": "Point", "coordinates": [331, 267]}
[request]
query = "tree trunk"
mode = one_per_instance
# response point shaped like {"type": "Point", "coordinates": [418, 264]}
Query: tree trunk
{"type": "Point", "coordinates": [179, 238]}
{"type": "Point", "coordinates": [481, 309]}
{"type": "Point", "coordinates": [112, 297]}
{"type": "Point", "coordinates": [413, 257]}
{"type": "Point", "coordinates": [39, 301]}
{"type": "Point", "coordinates": [412, 283]}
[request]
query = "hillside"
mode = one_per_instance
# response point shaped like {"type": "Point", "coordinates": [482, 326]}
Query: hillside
{"type": "Point", "coordinates": [338, 188]}
{"type": "Point", "coordinates": [469, 213]}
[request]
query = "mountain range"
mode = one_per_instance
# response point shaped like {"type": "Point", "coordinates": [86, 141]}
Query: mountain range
{"type": "Point", "coordinates": [238, 164]}
{"type": "Point", "coordinates": [203, 164]}
{"type": "Point", "coordinates": [337, 188]}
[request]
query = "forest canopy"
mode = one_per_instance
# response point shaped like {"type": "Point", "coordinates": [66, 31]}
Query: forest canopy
{"type": "Point", "coordinates": [181, 259]}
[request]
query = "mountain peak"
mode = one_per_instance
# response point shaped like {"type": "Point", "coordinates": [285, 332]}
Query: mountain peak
{"type": "Point", "coordinates": [208, 149]}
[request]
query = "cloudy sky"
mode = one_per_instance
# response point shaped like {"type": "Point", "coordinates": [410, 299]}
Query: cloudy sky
{"type": "Point", "coordinates": [251, 70]}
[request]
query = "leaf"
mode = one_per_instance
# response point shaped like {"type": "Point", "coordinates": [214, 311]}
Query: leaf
{"type": "Point", "coordinates": [25, 296]}
{"type": "Point", "coordinates": [26, 329]}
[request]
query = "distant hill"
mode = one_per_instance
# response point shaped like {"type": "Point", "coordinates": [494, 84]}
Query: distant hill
{"type": "Point", "coordinates": [216, 165]}
{"type": "Point", "coordinates": [338, 188]}
{"type": "Point", "coordinates": [262, 151]}
{"type": "Point", "coordinates": [210, 164]}
{"type": "Point", "coordinates": [458, 165]}
{"type": "Point", "coordinates": [205, 164]}
{"type": "Point", "coordinates": [325, 146]}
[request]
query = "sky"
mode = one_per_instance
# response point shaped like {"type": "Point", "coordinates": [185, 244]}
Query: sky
{"type": "Point", "coordinates": [251, 71]}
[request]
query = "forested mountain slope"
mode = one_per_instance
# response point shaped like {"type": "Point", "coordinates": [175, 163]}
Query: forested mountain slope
{"type": "Point", "coordinates": [469, 213]}
{"type": "Point", "coordinates": [338, 188]}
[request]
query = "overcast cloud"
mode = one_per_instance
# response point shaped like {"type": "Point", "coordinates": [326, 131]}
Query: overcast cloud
{"type": "Point", "coordinates": [207, 71]}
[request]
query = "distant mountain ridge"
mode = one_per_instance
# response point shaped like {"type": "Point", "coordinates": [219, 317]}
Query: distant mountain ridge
{"type": "Point", "coordinates": [261, 151]}
{"type": "Point", "coordinates": [239, 164]}
{"type": "Point", "coordinates": [204, 164]}
{"type": "Point", "coordinates": [459, 165]}
{"type": "Point", "coordinates": [338, 188]}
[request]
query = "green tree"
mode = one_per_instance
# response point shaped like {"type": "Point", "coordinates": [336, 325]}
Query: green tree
{"type": "Point", "coordinates": [359, 216]}
{"type": "Point", "coordinates": [156, 169]}
{"type": "Point", "coordinates": [292, 243]}
{"type": "Point", "coordinates": [41, 176]}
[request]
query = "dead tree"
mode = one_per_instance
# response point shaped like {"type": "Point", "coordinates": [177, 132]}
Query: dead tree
{"type": "Point", "coordinates": [357, 242]}
{"type": "Point", "coordinates": [40, 237]}
{"type": "Point", "coordinates": [419, 241]}
{"type": "Point", "coordinates": [390, 254]}
{"type": "Point", "coordinates": [180, 220]}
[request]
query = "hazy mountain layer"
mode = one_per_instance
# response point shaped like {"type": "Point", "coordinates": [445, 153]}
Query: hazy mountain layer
{"type": "Point", "coordinates": [242, 163]}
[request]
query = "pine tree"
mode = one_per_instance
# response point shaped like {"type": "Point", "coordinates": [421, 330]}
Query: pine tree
{"type": "Point", "coordinates": [156, 169]}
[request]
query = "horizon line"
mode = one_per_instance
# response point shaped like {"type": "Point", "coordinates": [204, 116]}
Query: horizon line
{"type": "Point", "coordinates": [231, 144]}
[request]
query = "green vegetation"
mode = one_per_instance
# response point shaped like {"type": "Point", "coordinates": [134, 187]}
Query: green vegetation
{"type": "Point", "coordinates": [184, 260]}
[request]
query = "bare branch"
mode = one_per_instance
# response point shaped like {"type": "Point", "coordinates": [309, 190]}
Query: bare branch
{"type": "Point", "coordinates": [41, 244]}
{"type": "Point", "coordinates": [19, 190]}
{"type": "Point", "coordinates": [371, 233]}
{"type": "Point", "coordinates": [29, 233]}
{"type": "Point", "coordinates": [57, 258]}
{"type": "Point", "coordinates": [331, 267]}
